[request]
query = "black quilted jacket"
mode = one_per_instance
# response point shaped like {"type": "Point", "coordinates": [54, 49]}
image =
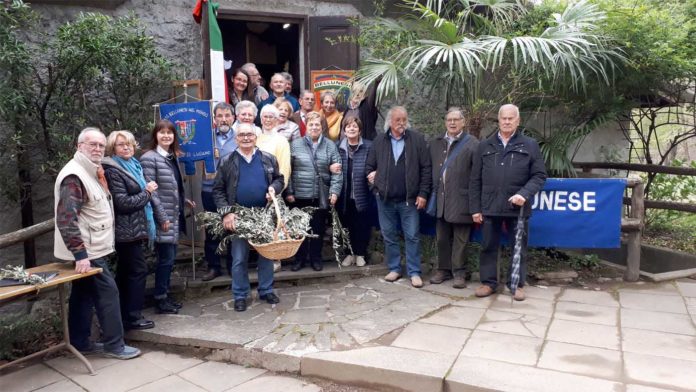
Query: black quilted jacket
{"type": "Point", "coordinates": [129, 202]}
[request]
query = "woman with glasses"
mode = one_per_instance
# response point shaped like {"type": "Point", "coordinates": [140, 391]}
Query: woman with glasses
{"type": "Point", "coordinates": [274, 143]}
{"type": "Point", "coordinates": [160, 164]}
{"type": "Point", "coordinates": [285, 127]}
{"type": "Point", "coordinates": [136, 208]}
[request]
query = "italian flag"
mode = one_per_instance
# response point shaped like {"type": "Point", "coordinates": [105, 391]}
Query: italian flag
{"type": "Point", "coordinates": [218, 81]}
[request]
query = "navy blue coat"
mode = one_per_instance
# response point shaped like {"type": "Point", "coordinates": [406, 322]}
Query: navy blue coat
{"type": "Point", "coordinates": [364, 199]}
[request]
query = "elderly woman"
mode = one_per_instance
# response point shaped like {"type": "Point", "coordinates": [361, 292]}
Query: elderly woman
{"type": "Point", "coordinates": [241, 88]}
{"type": "Point", "coordinates": [272, 142]}
{"type": "Point", "coordinates": [356, 201]}
{"type": "Point", "coordinates": [285, 127]}
{"type": "Point", "coordinates": [333, 117]}
{"type": "Point", "coordinates": [133, 199]}
{"type": "Point", "coordinates": [312, 156]}
{"type": "Point", "coordinates": [160, 164]}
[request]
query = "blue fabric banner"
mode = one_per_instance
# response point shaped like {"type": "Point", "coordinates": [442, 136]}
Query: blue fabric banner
{"type": "Point", "coordinates": [194, 128]}
{"type": "Point", "coordinates": [577, 213]}
{"type": "Point", "coordinates": [569, 213]}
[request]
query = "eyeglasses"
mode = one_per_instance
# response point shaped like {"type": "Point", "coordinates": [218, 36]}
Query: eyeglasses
{"type": "Point", "coordinates": [246, 135]}
{"type": "Point", "coordinates": [95, 145]}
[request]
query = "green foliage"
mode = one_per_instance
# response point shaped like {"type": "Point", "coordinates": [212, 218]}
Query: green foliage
{"type": "Point", "coordinates": [583, 262]}
{"type": "Point", "coordinates": [669, 187]}
{"type": "Point", "coordinates": [21, 335]}
{"type": "Point", "coordinates": [95, 70]}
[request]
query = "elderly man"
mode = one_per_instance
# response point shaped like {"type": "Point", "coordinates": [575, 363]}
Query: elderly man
{"type": "Point", "coordinates": [508, 171]}
{"type": "Point", "coordinates": [225, 144]}
{"type": "Point", "coordinates": [452, 157]}
{"type": "Point", "coordinates": [247, 177]}
{"type": "Point", "coordinates": [399, 169]}
{"type": "Point", "coordinates": [278, 84]}
{"type": "Point", "coordinates": [84, 233]}
{"type": "Point", "coordinates": [306, 106]}
{"type": "Point", "coordinates": [260, 93]}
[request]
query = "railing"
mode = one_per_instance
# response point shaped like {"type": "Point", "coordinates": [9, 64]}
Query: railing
{"type": "Point", "coordinates": [25, 234]}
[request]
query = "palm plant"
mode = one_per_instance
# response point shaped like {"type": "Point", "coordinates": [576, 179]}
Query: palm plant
{"type": "Point", "coordinates": [466, 52]}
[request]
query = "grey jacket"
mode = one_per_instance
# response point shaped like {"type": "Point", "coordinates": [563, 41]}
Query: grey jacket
{"type": "Point", "coordinates": [227, 178]}
{"type": "Point", "coordinates": [129, 203]}
{"type": "Point", "coordinates": [157, 169]}
{"type": "Point", "coordinates": [453, 193]}
{"type": "Point", "coordinates": [304, 183]}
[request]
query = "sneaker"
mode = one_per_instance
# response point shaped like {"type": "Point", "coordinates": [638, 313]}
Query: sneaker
{"type": "Point", "coordinates": [94, 348]}
{"type": "Point", "coordinates": [416, 281]}
{"type": "Point", "coordinates": [360, 261]}
{"type": "Point", "coordinates": [484, 291]}
{"type": "Point", "coordinates": [519, 294]}
{"type": "Point", "coordinates": [392, 276]}
{"type": "Point", "coordinates": [459, 282]}
{"type": "Point", "coordinates": [348, 261]}
{"type": "Point", "coordinates": [440, 276]}
{"type": "Point", "coordinates": [127, 352]}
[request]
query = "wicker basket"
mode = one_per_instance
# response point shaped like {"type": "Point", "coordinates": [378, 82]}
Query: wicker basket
{"type": "Point", "coordinates": [278, 249]}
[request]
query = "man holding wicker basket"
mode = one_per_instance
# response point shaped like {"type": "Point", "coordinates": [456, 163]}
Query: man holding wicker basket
{"type": "Point", "coordinates": [248, 177]}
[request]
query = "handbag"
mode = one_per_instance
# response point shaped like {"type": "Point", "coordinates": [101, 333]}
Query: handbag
{"type": "Point", "coordinates": [431, 206]}
{"type": "Point", "coordinates": [323, 188]}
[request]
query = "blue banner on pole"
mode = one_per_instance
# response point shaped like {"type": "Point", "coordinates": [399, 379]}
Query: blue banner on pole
{"type": "Point", "coordinates": [194, 128]}
{"type": "Point", "coordinates": [577, 213]}
{"type": "Point", "coordinates": [569, 213]}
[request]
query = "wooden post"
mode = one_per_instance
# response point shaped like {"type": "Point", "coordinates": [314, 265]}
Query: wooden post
{"type": "Point", "coordinates": [634, 237]}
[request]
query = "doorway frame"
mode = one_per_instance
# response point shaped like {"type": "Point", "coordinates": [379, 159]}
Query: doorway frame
{"type": "Point", "coordinates": [302, 20]}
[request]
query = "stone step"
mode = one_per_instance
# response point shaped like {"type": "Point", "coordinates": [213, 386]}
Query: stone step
{"type": "Point", "coordinates": [381, 367]}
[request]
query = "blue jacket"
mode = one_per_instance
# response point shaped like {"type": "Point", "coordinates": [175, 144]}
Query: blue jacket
{"type": "Point", "coordinates": [360, 189]}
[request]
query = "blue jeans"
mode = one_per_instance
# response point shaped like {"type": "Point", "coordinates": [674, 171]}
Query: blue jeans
{"type": "Point", "coordinates": [165, 261]}
{"type": "Point", "coordinates": [390, 215]}
{"type": "Point", "coordinates": [239, 253]}
{"type": "Point", "coordinates": [211, 244]}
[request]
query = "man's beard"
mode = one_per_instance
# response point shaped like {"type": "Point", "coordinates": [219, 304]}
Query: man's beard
{"type": "Point", "coordinates": [224, 128]}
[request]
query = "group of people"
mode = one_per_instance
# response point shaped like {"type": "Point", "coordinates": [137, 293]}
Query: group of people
{"type": "Point", "coordinates": [119, 203]}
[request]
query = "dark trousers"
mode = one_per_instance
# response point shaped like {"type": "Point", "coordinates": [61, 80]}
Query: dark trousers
{"type": "Point", "coordinates": [211, 244]}
{"type": "Point", "coordinates": [359, 227]}
{"type": "Point", "coordinates": [166, 253]}
{"type": "Point", "coordinates": [310, 250]}
{"type": "Point", "coordinates": [451, 246]}
{"type": "Point", "coordinates": [492, 227]}
{"type": "Point", "coordinates": [97, 292]}
{"type": "Point", "coordinates": [131, 275]}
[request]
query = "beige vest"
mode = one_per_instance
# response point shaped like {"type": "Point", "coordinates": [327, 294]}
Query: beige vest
{"type": "Point", "coordinates": [96, 218]}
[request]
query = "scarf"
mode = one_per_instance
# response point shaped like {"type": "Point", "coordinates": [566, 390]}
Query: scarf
{"type": "Point", "coordinates": [334, 122]}
{"type": "Point", "coordinates": [133, 167]}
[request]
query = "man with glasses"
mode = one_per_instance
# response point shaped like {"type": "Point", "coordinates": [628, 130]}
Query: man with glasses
{"type": "Point", "coordinates": [300, 117]}
{"type": "Point", "coordinates": [224, 145]}
{"type": "Point", "coordinates": [399, 169]}
{"type": "Point", "coordinates": [452, 157]}
{"type": "Point", "coordinates": [84, 233]}
{"type": "Point", "coordinates": [247, 177]}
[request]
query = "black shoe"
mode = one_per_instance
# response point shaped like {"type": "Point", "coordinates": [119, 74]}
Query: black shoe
{"type": "Point", "coordinates": [140, 324]}
{"type": "Point", "coordinates": [174, 304]}
{"type": "Point", "coordinates": [297, 265]}
{"type": "Point", "coordinates": [164, 307]}
{"type": "Point", "coordinates": [212, 274]}
{"type": "Point", "coordinates": [317, 265]}
{"type": "Point", "coordinates": [240, 305]}
{"type": "Point", "coordinates": [271, 298]}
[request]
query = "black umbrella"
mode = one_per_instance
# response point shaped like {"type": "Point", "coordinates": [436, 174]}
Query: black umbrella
{"type": "Point", "coordinates": [517, 254]}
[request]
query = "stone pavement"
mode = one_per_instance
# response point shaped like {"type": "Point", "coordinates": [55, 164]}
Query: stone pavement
{"type": "Point", "coordinates": [367, 332]}
{"type": "Point", "coordinates": [153, 371]}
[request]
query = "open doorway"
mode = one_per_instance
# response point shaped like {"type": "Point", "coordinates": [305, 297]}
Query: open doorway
{"type": "Point", "coordinates": [272, 46]}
